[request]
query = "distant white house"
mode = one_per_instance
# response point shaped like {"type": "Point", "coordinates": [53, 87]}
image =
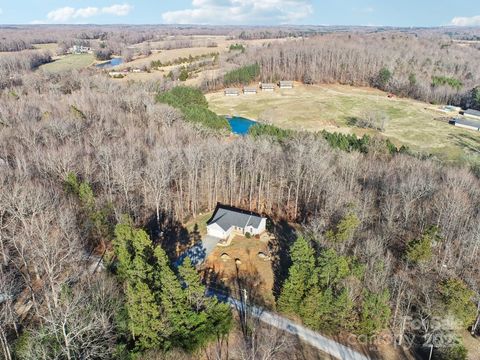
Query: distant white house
{"type": "Point", "coordinates": [226, 220]}
{"type": "Point", "coordinates": [79, 49]}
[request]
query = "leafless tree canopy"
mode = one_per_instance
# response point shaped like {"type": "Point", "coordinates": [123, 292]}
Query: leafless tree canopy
{"type": "Point", "coordinates": [142, 159]}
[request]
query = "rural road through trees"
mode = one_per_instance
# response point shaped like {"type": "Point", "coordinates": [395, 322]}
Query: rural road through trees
{"type": "Point", "coordinates": [313, 338]}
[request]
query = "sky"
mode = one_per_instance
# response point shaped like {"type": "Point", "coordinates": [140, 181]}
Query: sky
{"type": "Point", "coordinates": [243, 12]}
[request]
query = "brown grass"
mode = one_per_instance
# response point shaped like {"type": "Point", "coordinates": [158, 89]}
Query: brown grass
{"type": "Point", "coordinates": [313, 108]}
{"type": "Point", "coordinates": [253, 272]}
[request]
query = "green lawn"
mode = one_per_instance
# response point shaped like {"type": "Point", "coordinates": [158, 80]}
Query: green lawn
{"type": "Point", "coordinates": [329, 107]}
{"type": "Point", "coordinates": [200, 221]}
{"type": "Point", "coordinates": [69, 62]}
{"type": "Point", "coordinates": [49, 46]}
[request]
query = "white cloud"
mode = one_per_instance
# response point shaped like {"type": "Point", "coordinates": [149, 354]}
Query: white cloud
{"type": "Point", "coordinates": [61, 15]}
{"type": "Point", "coordinates": [87, 12]}
{"type": "Point", "coordinates": [466, 21]}
{"type": "Point", "coordinates": [69, 14]}
{"type": "Point", "coordinates": [118, 10]}
{"type": "Point", "coordinates": [241, 12]}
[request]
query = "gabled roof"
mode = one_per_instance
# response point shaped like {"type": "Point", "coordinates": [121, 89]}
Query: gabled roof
{"type": "Point", "coordinates": [472, 112]}
{"type": "Point", "coordinates": [286, 83]}
{"type": "Point", "coordinates": [231, 90]}
{"type": "Point", "coordinates": [268, 86]}
{"type": "Point", "coordinates": [226, 217]}
{"type": "Point", "coordinates": [472, 123]}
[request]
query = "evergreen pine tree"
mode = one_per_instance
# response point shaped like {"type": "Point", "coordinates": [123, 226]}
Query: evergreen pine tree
{"type": "Point", "coordinates": [144, 320]}
{"type": "Point", "coordinates": [375, 312]}
{"type": "Point", "coordinates": [332, 268]}
{"type": "Point", "coordinates": [301, 276]}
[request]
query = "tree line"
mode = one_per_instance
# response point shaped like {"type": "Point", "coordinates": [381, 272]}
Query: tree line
{"type": "Point", "coordinates": [429, 68]}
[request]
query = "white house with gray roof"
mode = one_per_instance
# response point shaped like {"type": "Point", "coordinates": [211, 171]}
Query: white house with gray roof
{"type": "Point", "coordinates": [226, 220]}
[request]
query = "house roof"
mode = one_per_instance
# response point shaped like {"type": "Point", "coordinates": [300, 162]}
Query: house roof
{"type": "Point", "coordinates": [472, 123]}
{"type": "Point", "coordinates": [472, 112]}
{"type": "Point", "coordinates": [286, 82]}
{"type": "Point", "coordinates": [231, 90]}
{"type": "Point", "coordinates": [250, 89]}
{"type": "Point", "coordinates": [268, 86]}
{"type": "Point", "coordinates": [226, 217]}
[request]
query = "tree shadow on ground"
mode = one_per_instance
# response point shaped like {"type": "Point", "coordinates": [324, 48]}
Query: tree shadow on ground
{"type": "Point", "coordinates": [351, 120]}
{"type": "Point", "coordinates": [285, 235]}
{"type": "Point", "coordinates": [169, 233]}
{"type": "Point", "coordinates": [251, 284]}
{"type": "Point", "coordinates": [470, 142]}
{"type": "Point", "coordinates": [215, 284]}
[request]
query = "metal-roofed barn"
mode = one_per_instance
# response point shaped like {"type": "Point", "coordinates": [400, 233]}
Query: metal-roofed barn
{"type": "Point", "coordinates": [267, 87]}
{"type": "Point", "coordinates": [284, 84]}
{"type": "Point", "coordinates": [472, 113]}
{"type": "Point", "coordinates": [231, 92]}
{"type": "Point", "coordinates": [249, 90]}
{"type": "Point", "coordinates": [466, 124]}
{"type": "Point", "coordinates": [226, 220]}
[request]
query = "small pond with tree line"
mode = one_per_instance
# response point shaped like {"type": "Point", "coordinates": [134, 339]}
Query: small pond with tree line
{"type": "Point", "coordinates": [240, 125]}
{"type": "Point", "coordinates": [110, 63]}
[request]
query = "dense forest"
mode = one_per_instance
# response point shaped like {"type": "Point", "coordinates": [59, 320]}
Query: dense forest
{"type": "Point", "coordinates": [431, 69]}
{"type": "Point", "coordinates": [98, 177]}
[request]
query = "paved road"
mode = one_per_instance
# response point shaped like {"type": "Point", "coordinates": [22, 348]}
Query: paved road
{"type": "Point", "coordinates": [318, 341]}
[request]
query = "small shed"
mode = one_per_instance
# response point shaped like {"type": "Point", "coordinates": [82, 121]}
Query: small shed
{"type": "Point", "coordinates": [249, 90]}
{"type": "Point", "coordinates": [231, 92]}
{"type": "Point", "coordinates": [466, 124]}
{"type": "Point", "coordinates": [471, 113]}
{"type": "Point", "coordinates": [285, 84]}
{"type": "Point", "coordinates": [267, 87]}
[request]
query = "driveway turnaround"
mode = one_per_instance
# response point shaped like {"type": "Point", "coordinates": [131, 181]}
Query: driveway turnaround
{"type": "Point", "coordinates": [200, 251]}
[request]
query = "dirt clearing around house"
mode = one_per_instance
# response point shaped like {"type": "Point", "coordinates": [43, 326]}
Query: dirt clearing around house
{"type": "Point", "coordinates": [244, 263]}
{"type": "Point", "coordinates": [333, 107]}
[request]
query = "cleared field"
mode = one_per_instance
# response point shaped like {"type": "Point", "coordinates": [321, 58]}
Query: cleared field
{"type": "Point", "coordinates": [49, 46]}
{"type": "Point", "coordinates": [330, 107]}
{"type": "Point", "coordinates": [168, 55]}
{"type": "Point", "coordinates": [222, 42]}
{"type": "Point", "coordinates": [69, 62]}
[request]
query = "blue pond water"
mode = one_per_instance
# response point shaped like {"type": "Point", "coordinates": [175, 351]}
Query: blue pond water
{"type": "Point", "coordinates": [110, 63]}
{"type": "Point", "coordinates": [240, 125]}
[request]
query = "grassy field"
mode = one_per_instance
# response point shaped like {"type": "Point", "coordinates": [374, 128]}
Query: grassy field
{"type": "Point", "coordinates": [330, 107]}
{"type": "Point", "coordinates": [49, 46]}
{"type": "Point", "coordinates": [168, 55]}
{"type": "Point", "coordinates": [223, 44]}
{"type": "Point", "coordinates": [69, 62]}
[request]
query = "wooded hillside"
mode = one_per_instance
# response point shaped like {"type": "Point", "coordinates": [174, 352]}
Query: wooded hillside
{"type": "Point", "coordinates": [103, 175]}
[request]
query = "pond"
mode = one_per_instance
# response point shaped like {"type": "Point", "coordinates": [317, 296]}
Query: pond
{"type": "Point", "coordinates": [240, 125]}
{"type": "Point", "coordinates": [110, 63]}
